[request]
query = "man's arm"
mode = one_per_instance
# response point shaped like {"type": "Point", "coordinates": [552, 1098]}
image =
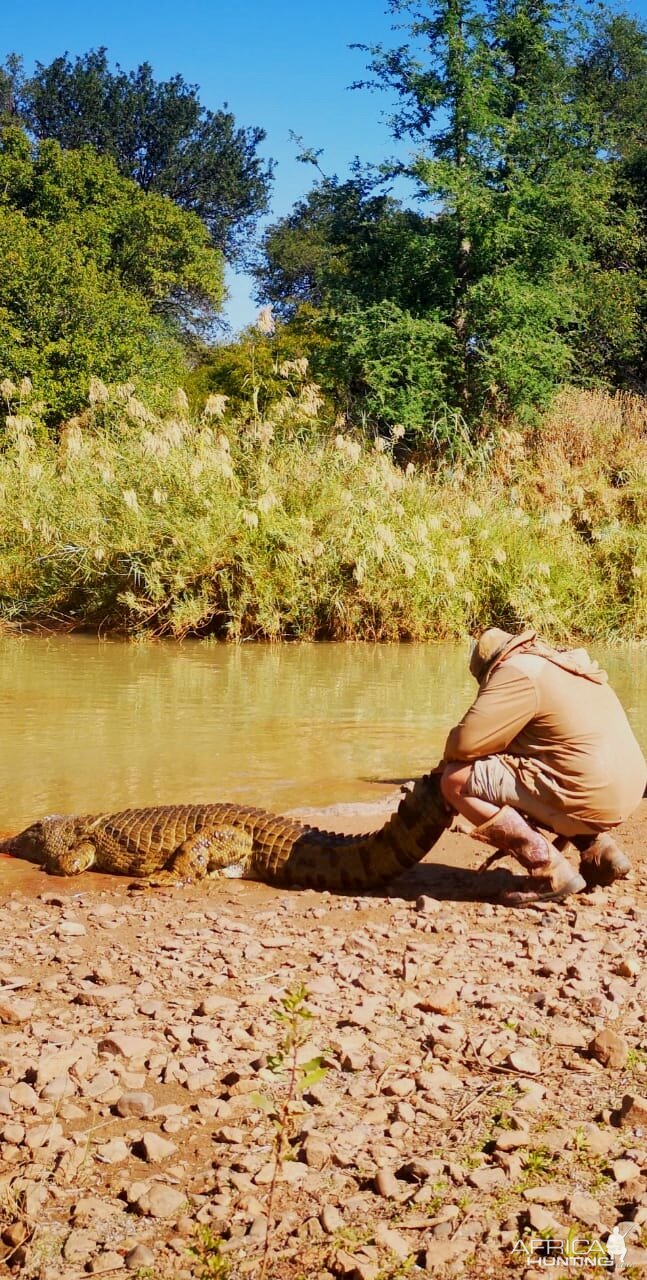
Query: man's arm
{"type": "Point", "coordinates": [501, 710]}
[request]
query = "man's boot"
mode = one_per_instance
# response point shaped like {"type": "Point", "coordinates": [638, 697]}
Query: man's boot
{"type": "Point", "coordinates": [601, 860]}
{"type": "Point", "coordinates": [552, 874]}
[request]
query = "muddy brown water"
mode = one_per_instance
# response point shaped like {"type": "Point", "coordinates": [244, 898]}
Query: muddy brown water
{"type": "Point", "coordinates": [89, 725]}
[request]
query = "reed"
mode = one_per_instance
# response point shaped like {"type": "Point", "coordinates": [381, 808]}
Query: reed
{"type": "Point", "coordinates": [282, 528]}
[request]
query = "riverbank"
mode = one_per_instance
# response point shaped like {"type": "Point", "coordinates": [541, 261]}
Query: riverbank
{"type": "Point", "coordinates": [461, 1110]}
{"type": "Point", "coordinates": [286, 529]}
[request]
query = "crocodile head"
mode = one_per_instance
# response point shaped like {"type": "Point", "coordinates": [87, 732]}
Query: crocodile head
{"type": "Point", "coordinates": [37, 842]}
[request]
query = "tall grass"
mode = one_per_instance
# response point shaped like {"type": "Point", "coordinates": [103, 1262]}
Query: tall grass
{"type": "Point", "coordinates": [176, 525]}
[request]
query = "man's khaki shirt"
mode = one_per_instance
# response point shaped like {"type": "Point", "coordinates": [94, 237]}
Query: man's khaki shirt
{"type": "Point", "coordinates": [558, 724]}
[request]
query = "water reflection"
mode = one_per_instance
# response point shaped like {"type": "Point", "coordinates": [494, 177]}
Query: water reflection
{"type": "Point", "coordinates": [89, 724]}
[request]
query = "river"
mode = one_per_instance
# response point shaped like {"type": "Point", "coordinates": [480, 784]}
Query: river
{"type": "Point", "coordinates": [88, 725]}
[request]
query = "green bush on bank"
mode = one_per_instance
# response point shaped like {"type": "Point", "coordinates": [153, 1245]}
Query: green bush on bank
{"type": "Point", "coordinates": [278, 528]}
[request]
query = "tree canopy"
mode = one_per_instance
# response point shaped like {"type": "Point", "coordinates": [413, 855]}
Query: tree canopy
{"type": "Point", "coordinates": [523, 268]}
{"type": "Point", "coordinates": [96, 276]}
{"type": "Point", "coordinates": [157, 132]}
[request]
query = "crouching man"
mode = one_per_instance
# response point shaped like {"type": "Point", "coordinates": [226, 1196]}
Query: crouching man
{"type": "Point", "coordinates": [546, 742]}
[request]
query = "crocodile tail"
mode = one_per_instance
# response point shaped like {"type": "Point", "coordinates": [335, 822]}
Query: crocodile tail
{"type": "Point", "coordinates": [313, 859]}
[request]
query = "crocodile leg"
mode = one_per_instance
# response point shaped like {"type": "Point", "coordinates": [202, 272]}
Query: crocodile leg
{"type": "Point", "coordinates": [70, 862]}
{"type": "Point", "coordinates": [212, 851]}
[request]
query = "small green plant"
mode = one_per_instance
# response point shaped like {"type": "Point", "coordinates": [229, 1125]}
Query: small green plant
{"type": "Point", "coordinates": [637, 1060]}
{"type": "Point", "coordinates": [293, 1017]}
{"type": "Point", "coordinates": [397, 1270]}
{"type": "Point", "coordinates": [538, 1161]}
{"type": "Point", "coordinates": [207, 1251]}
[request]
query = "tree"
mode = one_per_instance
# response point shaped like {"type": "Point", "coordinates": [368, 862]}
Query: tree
{"type": "Point", "coordinates": [157, 132]}
{"type": "Point", "coordinates": [96, 276]}
{"type": "Point", "coordinates": [344, 242]}
{"type": "Point", "coordinates": [524, 261]}
{"type": "Point", "coordinates": [515, 165]}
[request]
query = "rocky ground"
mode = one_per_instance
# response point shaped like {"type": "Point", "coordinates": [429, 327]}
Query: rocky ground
{"type": "Point", "coordinates": [485, 1083]}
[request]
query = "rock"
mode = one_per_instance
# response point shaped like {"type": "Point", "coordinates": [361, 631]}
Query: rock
{"type": "Point", "coordinates": [443, 1255]}
{"type": "Point", "coordinates": [633, 1111]}
{"type": "Point", "coordinates": [625, 1170]}
{"type": "Point", "coordinates": [156, 1148]}
{"type": "Point", "coordinates": [70, 929]}
{"type": "Point", "coordinates": [610, 1049]}
{"type": "Point", "coordinates": [584, 1208]}
{"type": "Point", "coordinates": [135, 1102]}
{"type": "Point", "coordinates": [160, 1201]}
{"type": "Point", "coordinates": [542, 1220]}
{"type": "Point", "coordinates": [487, 1179]}
{"type": "Point", "coordinates": [15, 1012]}
{"type": "Point", "coordinates": [112, 1152]}
{"type": "Point", "coordinates": [355, 1266]}
{"type": "Point", "coordinates": [427, 906]}
{"type": "Point", "coordinates": [109, 1261]}
{"type": "Point", "coordinates": [387, 1185]}
{"type": "Point", "coordinates": [139, 1257]}
{"type": "Point", "coordinates": [392, 1240]}
{"type": "Point", "coordinates": [58, 1088]}
{"type": "Point", "coordinates": [567, 1036]}
{"type": "Point", "coordinates": [316, 1153]}
{"type": "Point", "coordinates": [23, 1095]}
{"type": "Point", "coordinates": [551, 1193]}
{"type": "Point", "coordinates": [6, 1105]}
{"type": "Point", "coordinates": [331, 1219]}
{"type": "Point", "coordinates": [79, 1246]}
{"type": "Point", "coordinates": [525, 1060]}
{"type": "Point", "coordinates": [443, 1000]}
{"type": "Point", "coordinates": [126, 1046]}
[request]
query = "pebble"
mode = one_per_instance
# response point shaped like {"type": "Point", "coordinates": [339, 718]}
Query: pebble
{"type": "Point", "coordinates": [160, 1201]}
{"type": "Point", "coordinates": [109, 1261]}
{"type": "Point", "coordinates": [113, 1152]}
{"type": "Point", "coordinates": [541, 1219]}
{"type": "Point", "coordinates": [610, 1049]}
{"type": "Point", "coordinates": [70, 929]}
{"type": "Point", "coordinates": [487, 1179]}
{"type": "Point", "coordinates": [387, 1184]}
{"type": "Point", "coordinates": [525, 1060]}
{"type": "Point", "coordinates": [126, 1046]}
{"type": "Point", "coordinates": [585, 1208]}
{"type": "Point", "coordinates": [79, 1246]}
{"type": "Point", "coordinates": [633, 1111]}
{"type": "Point", "coordinates": [135, 1102]}
{"type": "Point", "coordinates": [331, 1219]}
{"type": "Point", "coordinates": [139, 1257]}
{"type": "Point", "coordinates": [434, 1055]}
{"type": "Point", "coordinates": [156, 1148]}
{"type": "Point", "coordinates": [625, 1170]}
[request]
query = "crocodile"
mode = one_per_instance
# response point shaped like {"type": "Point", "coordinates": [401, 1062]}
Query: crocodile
{"type": "Point", "coordinates": [171, 844]}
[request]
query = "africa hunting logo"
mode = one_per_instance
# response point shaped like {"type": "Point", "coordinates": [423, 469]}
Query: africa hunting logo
{"type": "Point", "coordinates": [576, 1252]}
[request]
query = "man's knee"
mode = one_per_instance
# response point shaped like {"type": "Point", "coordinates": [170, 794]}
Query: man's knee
{"type": "Point", "coordinates": [453, 781]}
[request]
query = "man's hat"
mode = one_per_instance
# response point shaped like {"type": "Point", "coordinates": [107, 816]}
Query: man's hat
{"type": "Point", "coordinates": [492, 646]}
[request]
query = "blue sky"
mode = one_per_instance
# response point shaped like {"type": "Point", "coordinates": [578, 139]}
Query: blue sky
{"type": "Point", "coordinates": [277, 63]}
